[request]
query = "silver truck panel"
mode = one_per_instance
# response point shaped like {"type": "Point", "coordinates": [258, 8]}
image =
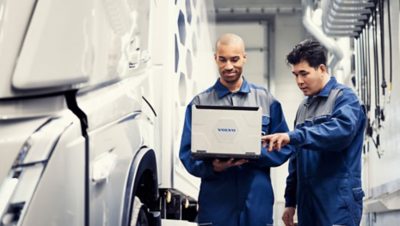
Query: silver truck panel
{"type": "Point", "coordinates": [42, 142]}
{"type": "Point", "coordinates": [46, 59]}
{"type": "Point", "coordinates": [13, 134]}
{"type": "Point", "coordinates": [115, 136]}
{"type": "Point", "coordinates": [33, 167]}
{"type": "Point", "coordinates": [58, 198]}
{"type": "Point", "coordinates": [14, 19]}
{"type": "Point", "coordinates": [31, 108]}
{"type": "Point", "coordinates": [27, 183]}
{"type": "Point", "coordinates": [107, 196]}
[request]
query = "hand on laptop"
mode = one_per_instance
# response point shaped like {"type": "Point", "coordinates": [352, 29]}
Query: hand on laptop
{"type": "Point", "coordinates": [275, 141]}
{"type": "Point", "coordinates": [220, 165]}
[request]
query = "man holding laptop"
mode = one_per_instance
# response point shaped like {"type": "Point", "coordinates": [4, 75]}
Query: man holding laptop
{"type": "Point", "coordinates": [235, 189]}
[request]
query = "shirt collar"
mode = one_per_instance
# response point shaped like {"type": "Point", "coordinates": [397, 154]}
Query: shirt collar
{"type": "Point", "coordinates": [328, 87]}
{"type": "Point", "coordinates": [223, 91]}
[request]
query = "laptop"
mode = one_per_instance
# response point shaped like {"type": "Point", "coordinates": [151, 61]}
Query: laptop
{"type": "Point", "coordinates": [226, 132]}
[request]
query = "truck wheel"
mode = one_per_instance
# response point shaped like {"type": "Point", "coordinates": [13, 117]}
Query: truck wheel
{"type": "Point", "coordinates": [139, 215]}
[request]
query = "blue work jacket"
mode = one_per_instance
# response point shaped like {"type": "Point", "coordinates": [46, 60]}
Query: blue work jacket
{"type": "Point", "coordinates": [242, 195]}
{"type": "Point", "coordinates": [325, 172]}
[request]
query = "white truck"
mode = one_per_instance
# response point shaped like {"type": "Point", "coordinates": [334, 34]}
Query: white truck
{"type": "Point", "coordinates": [92, 100]}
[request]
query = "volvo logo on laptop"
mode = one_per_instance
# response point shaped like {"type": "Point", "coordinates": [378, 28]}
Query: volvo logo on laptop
{"type": "Point", "coordinates": [226, 130]}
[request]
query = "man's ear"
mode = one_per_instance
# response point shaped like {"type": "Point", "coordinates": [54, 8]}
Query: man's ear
{"type": "Point", "coordinates": [323, 68]}
{"type": "Point", "coordinates": [244, 57]}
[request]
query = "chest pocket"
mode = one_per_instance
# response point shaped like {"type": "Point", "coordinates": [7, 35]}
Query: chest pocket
{"type": "Point", "coordinates": [317, 120]}
{"type": "Point", "coordinates": [265, 124]}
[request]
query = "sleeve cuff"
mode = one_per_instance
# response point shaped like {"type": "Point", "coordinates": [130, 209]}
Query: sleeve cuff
{"type": "Point", "coordinates": [289, 203]}
{"type": "Point", "coordinates": [295, 137]}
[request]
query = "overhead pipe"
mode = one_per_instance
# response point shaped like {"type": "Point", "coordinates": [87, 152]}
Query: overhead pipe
{"type": "Point", "coordinates": [316, 31]}
{"type": "Point", "coordinates": [337, 12]}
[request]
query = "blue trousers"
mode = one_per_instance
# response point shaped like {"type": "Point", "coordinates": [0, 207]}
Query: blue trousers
{"type": "Point", "coordinates": [329, 201]}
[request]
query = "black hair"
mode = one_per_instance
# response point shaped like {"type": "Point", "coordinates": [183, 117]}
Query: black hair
{"type": "Point", "coordinates": [308, 50]}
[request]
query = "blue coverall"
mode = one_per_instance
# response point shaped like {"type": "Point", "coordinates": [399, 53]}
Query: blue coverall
{"type": "Point", "coordinates": [325, 173]}
{"type": "Point", "coordinates": [242, 195]}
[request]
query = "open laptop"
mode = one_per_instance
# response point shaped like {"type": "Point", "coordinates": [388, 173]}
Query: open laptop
{"type": "Point", "coordinates": [226, 132]}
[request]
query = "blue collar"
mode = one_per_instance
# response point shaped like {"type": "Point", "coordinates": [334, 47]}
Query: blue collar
{"type": "Point", "coordinates": [223, 91]}
{"type": "Point", "coordinates": [328, 87]}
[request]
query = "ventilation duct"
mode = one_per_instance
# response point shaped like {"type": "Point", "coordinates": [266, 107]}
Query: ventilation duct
{"type": "Point", "coordinates": [345, 17]}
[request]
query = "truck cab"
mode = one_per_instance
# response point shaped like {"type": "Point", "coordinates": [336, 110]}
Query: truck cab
{"type": "Point", "coordinates": [92, 107]}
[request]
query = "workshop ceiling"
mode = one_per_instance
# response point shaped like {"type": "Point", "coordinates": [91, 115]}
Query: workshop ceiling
{"type": "Point", "coordinates": [267, 4]}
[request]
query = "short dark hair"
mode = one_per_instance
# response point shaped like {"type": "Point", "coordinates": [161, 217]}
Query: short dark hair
{"type": "Point", "coordinates": [309, 50]}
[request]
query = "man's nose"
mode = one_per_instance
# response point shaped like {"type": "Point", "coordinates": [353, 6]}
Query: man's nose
{"type": "Point", "coordinates": [228, 65]}
{"type": "Point", "coordinates": [299, 80]}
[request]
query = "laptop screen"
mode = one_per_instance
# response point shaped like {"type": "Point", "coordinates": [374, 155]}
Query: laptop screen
{"type": "Point", "coordinates": [226, 131]}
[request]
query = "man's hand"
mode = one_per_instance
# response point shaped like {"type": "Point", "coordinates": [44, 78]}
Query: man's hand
{"type": "Point", "coordinates": [275, 141]}
{"type": "Point", "coordinates": [220, 166]}
{"type": "Point", "coordinates": [288, 215]}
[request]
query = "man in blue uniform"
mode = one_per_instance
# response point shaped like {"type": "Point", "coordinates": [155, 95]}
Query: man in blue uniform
{"type": "Point", "coordinates": [235, 192]}
{"type": "Point", "coordinates": [325, 172]}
